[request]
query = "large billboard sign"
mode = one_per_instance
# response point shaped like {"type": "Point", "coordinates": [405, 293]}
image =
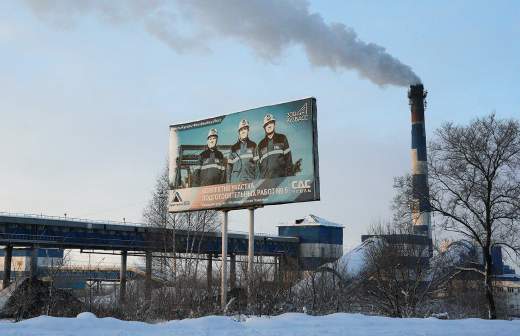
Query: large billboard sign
{"type": "Point", "coordinates": [267, 155]}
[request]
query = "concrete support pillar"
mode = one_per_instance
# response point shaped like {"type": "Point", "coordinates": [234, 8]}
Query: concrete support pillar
{"type": "Point", "coordinates": [33, 270]}
{"type": "Point", "coordinates": [148, 277]}
{"type": "Point", "coordinates": [290, 269]}
{"type": "Point", "coordinates": [7, 266]}
{"type": "Point", "coordinates": [277, 269]}
{"type": "Point", "coordinates": [282, 268]}
{"type": "Point", "coordinates": [233, 271]}
{"type": "Point", "coordinates": [122, 277]}
{"type": "Point", "coordinates": [209, 273]}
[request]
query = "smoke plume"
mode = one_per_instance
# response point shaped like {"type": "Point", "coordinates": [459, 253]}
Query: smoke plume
{"type": "Point", "coordinates": [266, 26]}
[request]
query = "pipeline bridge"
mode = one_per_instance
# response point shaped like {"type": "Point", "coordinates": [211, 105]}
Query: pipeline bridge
{"type": "Point", "coordinates": [36, 232]}
{"type": "Point", "coordinates": [69, 233]}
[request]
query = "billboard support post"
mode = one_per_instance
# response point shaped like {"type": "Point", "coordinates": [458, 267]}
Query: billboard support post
{"type": "Point", "coordinates": [223, 283]}
{"type": "Point", "coordinates": [250, 255]}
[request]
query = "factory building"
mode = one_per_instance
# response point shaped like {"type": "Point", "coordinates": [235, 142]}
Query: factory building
{"type": "Point", "coordinates": [321, 241]}
{"type": "Point", "coordinates": [506, 285]}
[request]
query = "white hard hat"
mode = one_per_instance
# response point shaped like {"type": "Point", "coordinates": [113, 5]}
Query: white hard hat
{"type": "Point", "coordinates": [243, 123]}
{"type": "Point", "coordinates": [213, 132]}
{"type": "Point", "coordinates": [268, 118]}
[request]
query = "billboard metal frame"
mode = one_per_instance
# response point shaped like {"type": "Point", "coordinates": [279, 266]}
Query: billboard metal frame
{"type": "Point", "coordinates": [184, 161]}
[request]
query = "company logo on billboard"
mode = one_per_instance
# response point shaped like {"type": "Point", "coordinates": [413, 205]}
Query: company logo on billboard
{"type": "Point", "coordinates": [301, 185]}
{"type": "Point", "coordinates": [177, 199]}
{"type": "Point", "coordinates": [301, 115]}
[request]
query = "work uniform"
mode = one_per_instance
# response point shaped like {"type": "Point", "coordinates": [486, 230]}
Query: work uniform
{"type": "Point", "coordinates": [274, 157]}
{"type": "Point", "coordinates": [242, 162]}
{"type": "Point", "coordinates": [210, 169]}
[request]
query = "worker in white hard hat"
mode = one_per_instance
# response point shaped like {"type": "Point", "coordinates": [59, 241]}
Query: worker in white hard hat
{"type": "Point", "coordinates": [210, 168]}
{"type": "Point", "coordinates": [274, 153]}
{"type": "Point", "coordinates": [212, 138]}
{"type": "Point", "coordinates": [241, 160]}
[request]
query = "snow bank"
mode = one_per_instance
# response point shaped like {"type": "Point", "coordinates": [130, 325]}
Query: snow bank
{"type": "Point", "coordinates": [283, 325]}
{"type": "Point", "coordinates": [6, 293]}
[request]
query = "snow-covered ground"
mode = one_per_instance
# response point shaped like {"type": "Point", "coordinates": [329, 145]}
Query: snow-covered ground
{"type": "Point", "coordinates": [283, 325]}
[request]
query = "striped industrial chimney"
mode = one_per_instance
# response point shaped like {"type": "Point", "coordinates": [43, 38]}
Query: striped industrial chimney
{"type": "Point", "coordinates": [420, 191]}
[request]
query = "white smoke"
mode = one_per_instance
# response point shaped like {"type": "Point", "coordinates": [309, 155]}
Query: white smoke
{"type": "Point", "coordinates": [266, 26]}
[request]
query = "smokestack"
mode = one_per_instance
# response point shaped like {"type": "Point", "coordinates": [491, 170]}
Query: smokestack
{"type": "Point", "coordinates": [420, 191]}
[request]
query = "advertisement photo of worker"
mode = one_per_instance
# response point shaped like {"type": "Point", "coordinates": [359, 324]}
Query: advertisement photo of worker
{"type": "Point", "coordinates": [242, 160]}
{"type": "Point", "coordinates": [211, 167]}
{"type": "Point", "coordinates": [274, 153]}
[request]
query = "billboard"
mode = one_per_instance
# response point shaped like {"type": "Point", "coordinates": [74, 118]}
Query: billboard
{"type": "Point", "coordinates": [267, 155]}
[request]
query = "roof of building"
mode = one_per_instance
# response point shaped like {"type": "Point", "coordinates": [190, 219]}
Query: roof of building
{"type": "Point", "coordinates": [311, 220]}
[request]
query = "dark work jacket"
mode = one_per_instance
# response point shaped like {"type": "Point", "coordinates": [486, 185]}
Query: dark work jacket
{"type": "Point", "coordinates": [242, 162]}
{"type": "Point", "coordinates": [210, 168]}
{"type": "Point", "coordinates": [274, 157]}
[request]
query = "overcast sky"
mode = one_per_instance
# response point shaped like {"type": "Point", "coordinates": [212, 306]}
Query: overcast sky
{"type": "Point", "coordinates": [86, 102]}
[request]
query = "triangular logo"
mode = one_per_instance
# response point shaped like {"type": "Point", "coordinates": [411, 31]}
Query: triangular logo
{"type": "Point", "coordinates": [177, 197]}
{"type": "Point", "coordinates": [303, 109]}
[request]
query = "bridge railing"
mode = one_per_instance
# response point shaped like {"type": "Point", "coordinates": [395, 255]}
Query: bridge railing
{"type": "Point", "coordinates": [42, 238]}
{"type": "Point", "coordinates": [67, 218]}
{"type": "Point", "coordinates": [110, 222]}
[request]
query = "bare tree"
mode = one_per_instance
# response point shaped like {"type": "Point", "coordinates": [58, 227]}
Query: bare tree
{"type": "Point", "coordinates": [180, 265]}
{"type": "Point", "coordinates": [328, 289]}
{"type": "Point", "coordinates": [474, 176]}
{"type": "Point", "coordinates": [52, 272]}
{"type": "Point", "coordinates": [462, 294]}
{"type": "Point", "coordinates": [399, 278]}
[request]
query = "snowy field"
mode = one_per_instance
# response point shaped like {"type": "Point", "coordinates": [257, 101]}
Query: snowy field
{"type": "Point", "coordinates": [283, 325]}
